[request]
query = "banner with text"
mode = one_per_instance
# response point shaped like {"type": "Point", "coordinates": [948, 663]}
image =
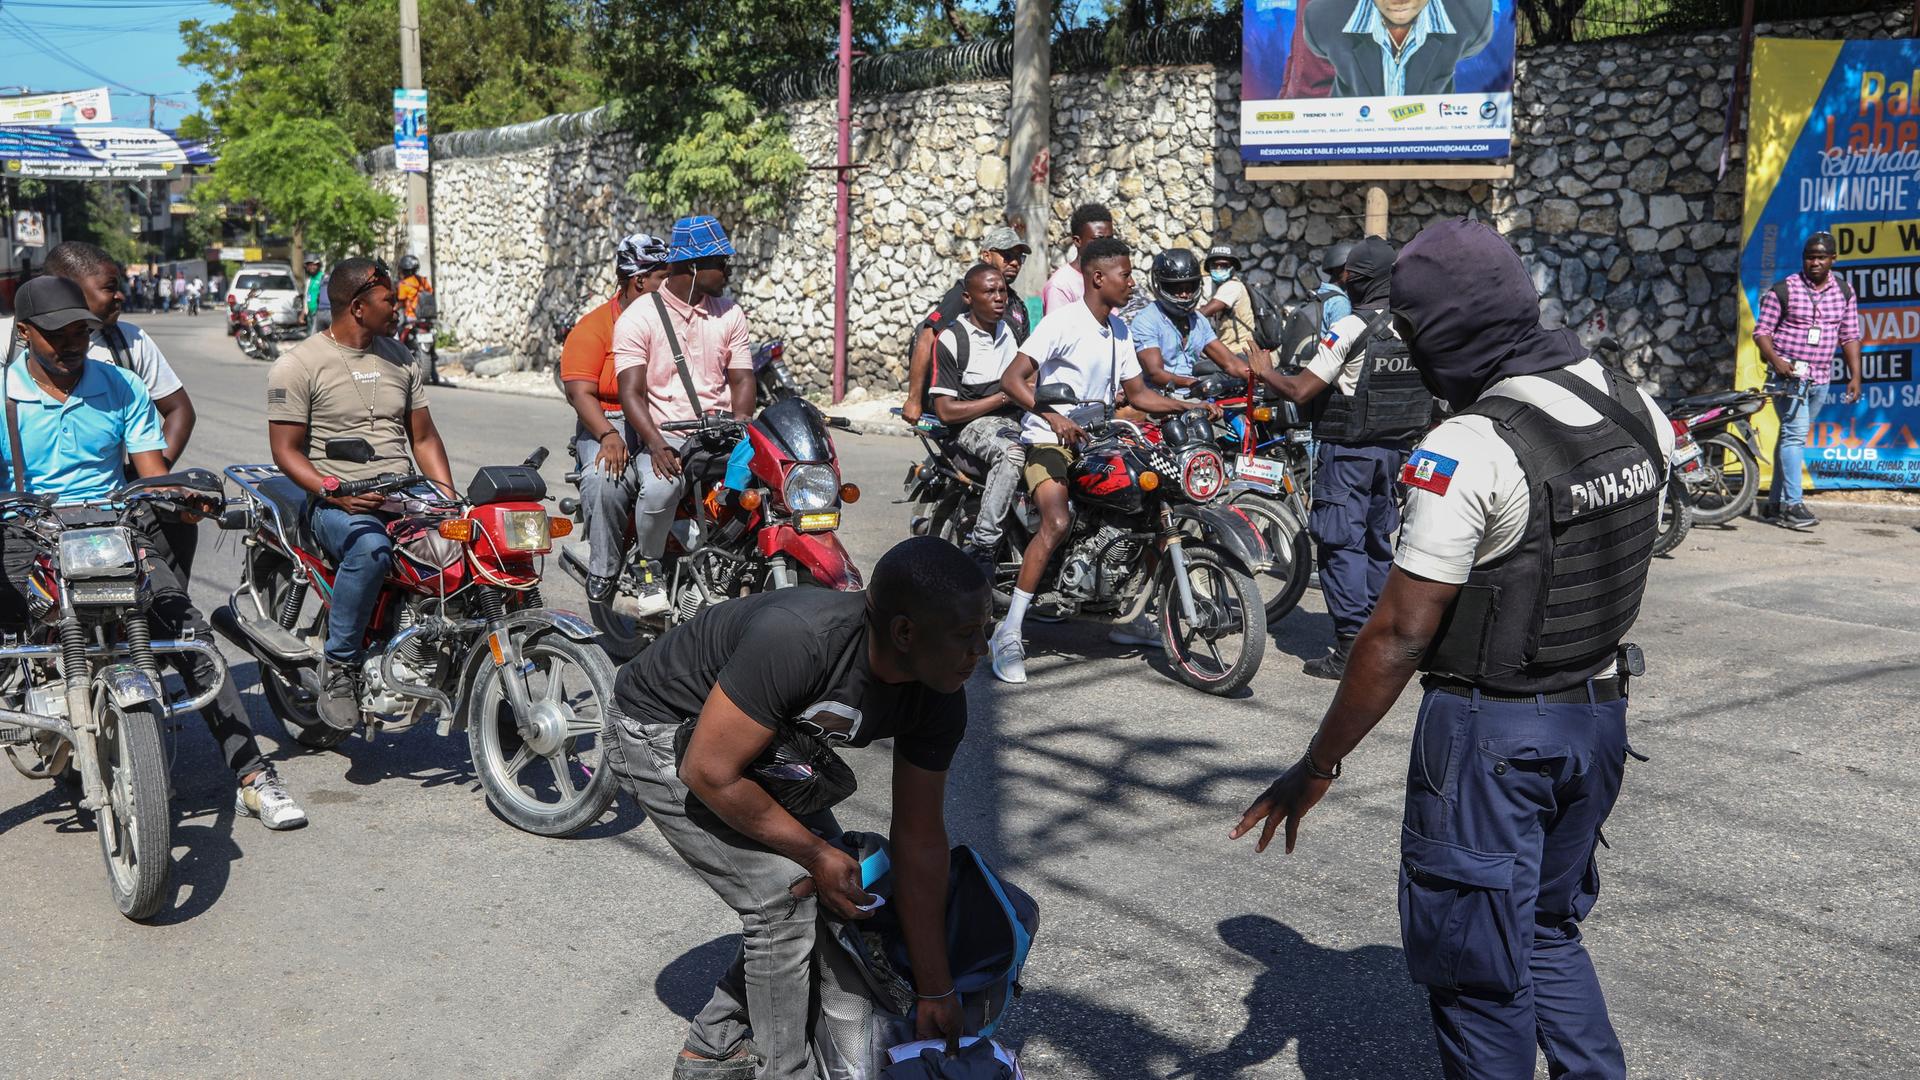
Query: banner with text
{"type": "Point", "coordinates": [1374, 79]}
{"type": "Point", "coordinates": [58, 152]}
{"type": "Point", "coordinates": [410, 130]}
{"type": "Point", "coordinates": [71, 107]}
{"type": "Point", "coordinates": [1833, 143]}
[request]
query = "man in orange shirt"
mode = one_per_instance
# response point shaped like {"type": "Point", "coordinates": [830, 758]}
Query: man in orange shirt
{"type": "Point", "coordinates": [603, 441]}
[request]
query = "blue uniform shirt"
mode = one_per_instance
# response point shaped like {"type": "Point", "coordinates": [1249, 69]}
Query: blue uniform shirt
{"type": "Point", "coordinates": [1154, 329]}
{"type": "Point", "coordinates": [74, 447]}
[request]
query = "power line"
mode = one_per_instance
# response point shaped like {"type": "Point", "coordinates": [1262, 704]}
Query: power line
{"type": "Point", "coordinates": [54, 52]}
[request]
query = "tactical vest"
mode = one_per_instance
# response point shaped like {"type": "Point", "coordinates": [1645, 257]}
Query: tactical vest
{"type": "Point", "coordinates": [1550, 614]}
{"type": "Point", "coordinates": [1389, 403]}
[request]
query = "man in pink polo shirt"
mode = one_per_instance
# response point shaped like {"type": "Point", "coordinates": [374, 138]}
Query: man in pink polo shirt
{"type": "Point", "coordinates": [1090, 222]}
{"type": "Point", "coordinates": [678, 355]}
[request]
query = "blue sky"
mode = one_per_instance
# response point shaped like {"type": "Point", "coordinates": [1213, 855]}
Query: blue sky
{"type": "Point", "coordinates": [133, 43]}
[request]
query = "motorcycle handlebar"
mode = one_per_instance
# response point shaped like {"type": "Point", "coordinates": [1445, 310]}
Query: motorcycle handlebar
{"type": "Point", "coordinates": [378, 484]}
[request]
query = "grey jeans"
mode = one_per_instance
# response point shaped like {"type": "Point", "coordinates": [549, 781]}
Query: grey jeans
{"type": "Point", "coordinates": [995, 440]}
{"type": "Point", "coordinates": [769, 986]}
{"type": "Point", "coordinates": [608, 500]}
{"type": "Point", "coordinates": [659, 498]}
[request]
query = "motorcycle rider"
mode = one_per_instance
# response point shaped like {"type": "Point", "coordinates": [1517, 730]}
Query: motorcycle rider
{"type": "Point", "coordinates": [603, 441]}
{"type": "Point", "coordinates": [1173, 341]}
{"type": "Point", "coordinates": [1085, 346]}
{"type": "Point", "coordinates": [1229, 305]}
{"type": "Point", "coordinates": [1375, 410]}
{"type": "Point", "coordinates": [411, 287]}
{"type": "Point", "coordinates": [973, 350]}
{"type": "Point", "coordinates": [1002, 249]}
{"type": "Point", "coordinates": [1530, 521]}
{"type": "Point", "coordinates": [79, 418]}
{"type": "Point", "coordinates": [351, 380]}
{"type": "Point", "coordinates": [678, 358]}
{"type": "Point", "coordinates": [805, 670]}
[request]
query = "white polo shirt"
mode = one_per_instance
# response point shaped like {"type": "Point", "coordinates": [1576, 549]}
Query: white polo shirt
{"type": "Point", "coordinates": [1480, 511]}
{"type": "Point", "coordinates": [1090, 358]}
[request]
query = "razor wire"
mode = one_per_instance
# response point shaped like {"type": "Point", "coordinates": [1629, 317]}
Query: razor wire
{"type": "Point", "coordinates": [486, 142]}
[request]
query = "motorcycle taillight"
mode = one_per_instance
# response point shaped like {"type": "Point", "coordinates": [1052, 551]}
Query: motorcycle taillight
{"type": "Point", "coordinates": [1679, 427]}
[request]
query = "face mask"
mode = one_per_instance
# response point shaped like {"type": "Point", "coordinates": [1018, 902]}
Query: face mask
{"type": "Point", "coordinates": [1220, 276]}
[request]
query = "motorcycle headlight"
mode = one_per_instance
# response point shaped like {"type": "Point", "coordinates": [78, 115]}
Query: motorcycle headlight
{"type": "Point", "coordinates": [1202, 474]}
{"type": "Point", "coordinates": [809, 488]}
{"type": "Point", "coordinates": [526, 530]}
{"type": "Point", "coordinates": [90, 553]}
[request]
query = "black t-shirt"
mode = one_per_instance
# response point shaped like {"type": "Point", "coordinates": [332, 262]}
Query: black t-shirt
{"type": "Point", "coordinates": [793, 654]}
{"type": "Point", "coordinates": [954, 304]}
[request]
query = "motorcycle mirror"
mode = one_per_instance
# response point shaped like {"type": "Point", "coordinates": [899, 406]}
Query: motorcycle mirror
{"type": "Point", "coordinates": [1609, 343]}
{"type": "Point", "coordinates": [358, 451]}
{"type": "Point", "coordinates": [1054, 394]}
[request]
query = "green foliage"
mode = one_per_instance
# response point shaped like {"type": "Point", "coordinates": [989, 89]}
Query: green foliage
{"type": "Point", "coordinates": [300, 170]}
{"type": "Point", "coordinates": [730, 153]}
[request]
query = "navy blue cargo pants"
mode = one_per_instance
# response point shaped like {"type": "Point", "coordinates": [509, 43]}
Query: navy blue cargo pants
{"type": "Point", "coordinates": [1504, 806]}
{"type": "Point", "coordinates": [1353, 517]}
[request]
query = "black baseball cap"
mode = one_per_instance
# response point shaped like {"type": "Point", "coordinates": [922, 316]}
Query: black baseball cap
{"type": "Point", "coordinates": [50, 303]}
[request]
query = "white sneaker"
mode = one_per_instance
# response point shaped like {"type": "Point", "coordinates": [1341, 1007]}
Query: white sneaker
{"type": "Point", "coordinates": [1009, 659]}
{"type": "Point", "coordinates": [651, 600]}
{"type": "Point", "coordinates": [1142, 631]}
{"type": "Point", "coordinates": [266, 798]}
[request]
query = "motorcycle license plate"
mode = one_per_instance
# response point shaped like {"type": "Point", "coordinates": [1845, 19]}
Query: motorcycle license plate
{"type": "Point", "coordinates": [1259, 470]}
{"type": "Point", "coordinates": [1686, 457]}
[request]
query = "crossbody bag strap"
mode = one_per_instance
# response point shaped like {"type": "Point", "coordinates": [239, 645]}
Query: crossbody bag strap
{"type": "Point", "coordinates": [679, 357]}
{"type": "Point", "coordinates": [117, 345]}
{"type": "Point", "coordinates": [18, 473]}
{"type": "Point", "coordinates": [1609, 406]}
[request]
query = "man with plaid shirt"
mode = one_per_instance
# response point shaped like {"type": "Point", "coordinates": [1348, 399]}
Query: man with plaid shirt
{"type": "Point", "coordinates": [1802, 321]}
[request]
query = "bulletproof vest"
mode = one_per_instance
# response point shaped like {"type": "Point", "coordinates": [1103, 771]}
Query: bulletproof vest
{"type": "Point", "coordinates": [1389, 403]}
{"type": "Point", "coordinates": [1550, 614]}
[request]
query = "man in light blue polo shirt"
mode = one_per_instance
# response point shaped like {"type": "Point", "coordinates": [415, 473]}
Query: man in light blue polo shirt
{"type": "Point", "coordinates": [77, 419]}
{"type": "Point", "coordinates": [1170, 336]}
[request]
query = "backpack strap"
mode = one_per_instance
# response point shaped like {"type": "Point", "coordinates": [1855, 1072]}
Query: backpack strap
{"type": "Point", "coordinates": [117, 345]}
{"type": "Point", "coordinates": [1373, 327]}
{"type": "Point", "coordinates": [679, 357]}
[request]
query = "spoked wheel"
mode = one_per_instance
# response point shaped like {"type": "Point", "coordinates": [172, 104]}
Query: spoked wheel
{"type": "Point", "coordinates": [553, 780]}
{"type": "Point", "coordinates": [135, 827]}
{"type": "Point", "coordinates": [1733, 484]}
{"type": "Point", "coordinates": [1282, 585]}
{"type": "Point", "coordinates": [1220, 650]}
{"type": "Point", "coordinates": [1676, 517]}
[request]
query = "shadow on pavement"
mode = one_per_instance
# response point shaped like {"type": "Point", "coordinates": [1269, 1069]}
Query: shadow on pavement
{"type": "Point", "coordinates": [200, 875]}
{"type": "Point", "coordinates": [686, 984]}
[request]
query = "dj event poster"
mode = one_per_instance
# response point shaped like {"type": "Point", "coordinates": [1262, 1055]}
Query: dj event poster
{"type": "Point", "coordinates": [1376, 79]}
{"type": "Point", "coordinates": [1833, 143]}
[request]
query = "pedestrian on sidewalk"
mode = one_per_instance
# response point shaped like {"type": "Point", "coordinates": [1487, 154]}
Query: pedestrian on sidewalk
{"type": "Point", "coordinates": [1803, 320]}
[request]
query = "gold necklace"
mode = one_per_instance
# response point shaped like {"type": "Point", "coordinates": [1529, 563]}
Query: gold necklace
{"type": "Point", "coordinates": [354, 376]}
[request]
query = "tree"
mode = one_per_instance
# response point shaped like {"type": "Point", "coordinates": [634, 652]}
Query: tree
{"type": "Point", "coordinates": [301, 172]}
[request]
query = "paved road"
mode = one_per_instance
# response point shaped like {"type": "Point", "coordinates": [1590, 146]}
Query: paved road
{"type": "Point", "coordinates": [1757, 919]}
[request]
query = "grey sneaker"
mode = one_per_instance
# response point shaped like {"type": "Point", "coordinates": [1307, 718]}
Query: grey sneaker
{"type": "Point", "coordinates": [339, 701]}
{"type": "Point", "coordinates": [652, 599]}
{"type": "Point", "coordinates": [1142, 631]}
{"type": "Point", "coordinates": [1797, 517]}
{"type": "Point", "coordinates": [266, 798]}
{"type": "Point", "coordinates": [1009, 658]}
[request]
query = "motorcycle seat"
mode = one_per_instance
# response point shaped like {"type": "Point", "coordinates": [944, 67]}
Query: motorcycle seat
{"type": "Point", "coordinates": [290, 502]}
{"type": "Point", "coordinates": [1716, 400]}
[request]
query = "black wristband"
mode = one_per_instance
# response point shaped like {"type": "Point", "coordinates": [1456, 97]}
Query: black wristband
{"type": "Point", "coordinates": [603, 435]}
{"type": "Point", "coordinates": [1316, 771]}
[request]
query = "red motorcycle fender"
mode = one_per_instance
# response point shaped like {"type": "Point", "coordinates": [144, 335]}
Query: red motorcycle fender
{"type": "Point", "coordinates": [821, 554]}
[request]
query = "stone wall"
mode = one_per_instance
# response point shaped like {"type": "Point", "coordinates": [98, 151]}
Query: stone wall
{"type": "Point", "coordinates": [1617, 205]}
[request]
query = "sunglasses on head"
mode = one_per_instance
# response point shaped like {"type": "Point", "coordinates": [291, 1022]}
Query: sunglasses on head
{"type": "Point", "coordinates": [380, 276]}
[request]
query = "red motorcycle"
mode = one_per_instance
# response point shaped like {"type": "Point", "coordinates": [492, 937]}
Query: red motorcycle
{"type": "Point", "coordinates": [459, 631]}
{"type": "Point", "coordinates": [777, 529]}
{"type": "Point", "coordinates": [250, 325]}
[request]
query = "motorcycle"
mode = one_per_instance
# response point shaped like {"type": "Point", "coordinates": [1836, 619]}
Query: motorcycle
{"type": "Point", "coordinates": [1265, 441]}
{"type": "Point", "coordinates": [251, 326]}
{"type": "Point", "coordinates": [771, 378]}
{"type": "Point", "coordinates": [776, 531]}
{"type": "Point", "coordinates": [1686, 471]}
{"type": "Point", "coordinates": [1146, 530]}
{"type": "Point", "coordinates": [458, 632]}
{"type": "Point", "coordinates": [81, 693]}
{"type": "Point", "coordinates": [1721, 423]}
{"type": "Point", "coordinates": [416, 335]}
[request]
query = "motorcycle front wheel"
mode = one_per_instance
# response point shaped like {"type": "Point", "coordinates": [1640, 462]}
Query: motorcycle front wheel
{"type": "Point", "coordinates": [1676, 517]}
{"type": "Point", "coordinates": [1220, 650]}
{"type": "Point", "coordinates": [1285, 582]}
{"type": "Point", "coordinates": [554, 780]}
{"type": "Point", "coordinates": [1735, 483]}
{"type": "Point", "coordinates": [135, 827]}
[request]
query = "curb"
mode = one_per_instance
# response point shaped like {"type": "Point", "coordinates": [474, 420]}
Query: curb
{"type": "Point", "coordinates": [1866, 513]}
{"type": "Point", "coordinates": [890, 427]}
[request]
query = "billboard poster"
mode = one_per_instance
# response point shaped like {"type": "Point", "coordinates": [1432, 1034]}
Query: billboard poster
{"type": "Point", "coordinates": [29, 228]}
{"type": "Point", "coordinates": [1376, 79]}
{"type": "Point", "coordinates": [1833, 144]}
{"type": "Point", "coordinates": [71, 107]}
{"type": "Point", "coordinates": [410, 130]}
{"type": "Point", "coordinates": [59, 152]}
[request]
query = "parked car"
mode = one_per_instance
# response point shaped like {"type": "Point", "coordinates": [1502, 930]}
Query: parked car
{"type": "Point", "coordinates": [279, 293]}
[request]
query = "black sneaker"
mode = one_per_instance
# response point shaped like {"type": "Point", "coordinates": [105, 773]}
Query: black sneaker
{"type": "Point", "coordinates": [1334, 664]}
{"type": "Point", "coordinates": [339, 700]}
{"type": "Point", "coordinates": [982, 558]}
{"type": "Point", "coordinates": [1798, 517]}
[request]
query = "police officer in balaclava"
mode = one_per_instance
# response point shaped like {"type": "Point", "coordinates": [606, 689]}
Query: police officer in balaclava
{"type": "Point", "coordinates": [1530, 517]}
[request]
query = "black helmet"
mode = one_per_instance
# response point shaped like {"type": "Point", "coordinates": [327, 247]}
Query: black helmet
{"type": "Point", "coordinates": [409, 265]}
{"type": "Point", "coordinates": [1336, 259]}
{"type": "Point", "coordinates": [1176, 279]}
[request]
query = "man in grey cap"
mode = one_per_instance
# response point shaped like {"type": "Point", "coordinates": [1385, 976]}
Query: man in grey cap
{"type": "Point", "coordinates": [76, 420]}
{"type": "Point", "coordinates": [1002, 249]}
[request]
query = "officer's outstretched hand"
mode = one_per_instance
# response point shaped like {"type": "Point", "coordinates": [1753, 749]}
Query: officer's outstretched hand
{"type": "Point", "coordinates": [1286, 799]}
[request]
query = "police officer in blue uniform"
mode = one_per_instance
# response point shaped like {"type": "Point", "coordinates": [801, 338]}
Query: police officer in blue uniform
{"type": "Point", "coordinates": [1370, 406]}
{"type": "Point", "coordinates": [1529, 526]}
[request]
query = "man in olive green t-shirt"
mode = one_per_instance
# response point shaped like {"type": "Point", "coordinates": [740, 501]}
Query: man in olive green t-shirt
{"type": "Point", "coordinates": [352, 380]}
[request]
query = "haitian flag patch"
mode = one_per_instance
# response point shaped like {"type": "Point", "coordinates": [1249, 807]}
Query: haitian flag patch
{"type": "Point", "coordinates": [1428, 472]}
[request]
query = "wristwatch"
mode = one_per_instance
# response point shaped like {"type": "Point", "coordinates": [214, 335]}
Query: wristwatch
{"type": "Point", "coordinates": [329, 485]}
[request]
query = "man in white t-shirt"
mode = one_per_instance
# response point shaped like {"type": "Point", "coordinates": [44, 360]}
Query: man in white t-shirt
{"type": "Point", "coordinates": [1085, 348]}
{"type": "Point", "coordinates": [123, 344]}
{"type": "Point", "coordinates": [970, 355]}
{"type": "Point", "coordinates": [1528, 532]}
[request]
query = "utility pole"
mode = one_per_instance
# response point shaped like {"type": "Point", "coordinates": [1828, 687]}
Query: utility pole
{"type": "Point", "coordinates": [843, 204]}
{"type": "Point", "coordinates": [419, 232]}
{"type": "Point", "coordinates": [1030, 130]}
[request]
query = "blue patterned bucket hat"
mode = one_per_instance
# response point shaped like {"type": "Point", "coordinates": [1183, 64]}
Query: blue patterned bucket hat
{"type": "Point", "coordinates": [698, 237]}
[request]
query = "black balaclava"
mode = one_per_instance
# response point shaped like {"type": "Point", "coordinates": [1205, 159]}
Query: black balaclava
{"type": "Point", "coordinates": [1473, 313]}
{"type": "Point", "coordinates": [1370, 273]}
